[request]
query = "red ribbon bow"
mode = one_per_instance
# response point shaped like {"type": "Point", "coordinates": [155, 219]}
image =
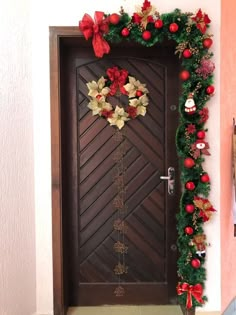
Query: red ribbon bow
{"type": "Point", "coordinates": [118, 79]}
{"type": "Point", "coordinates": [96, 28]}
{"type": "Point", "coordinates": [191, 290]}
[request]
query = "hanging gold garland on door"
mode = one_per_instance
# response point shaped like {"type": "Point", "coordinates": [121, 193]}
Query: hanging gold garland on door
{"type": "Point", "coordinates": [120, 209]}
{"type": "Point", "coordinates": [117, 82]}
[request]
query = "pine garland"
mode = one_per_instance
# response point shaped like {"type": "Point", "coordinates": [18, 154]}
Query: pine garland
{"type": "Point", "coordinates": [189, 31]}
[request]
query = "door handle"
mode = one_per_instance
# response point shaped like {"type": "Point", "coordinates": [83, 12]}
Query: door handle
{"type": "Point", "coordinates": [170, 180]}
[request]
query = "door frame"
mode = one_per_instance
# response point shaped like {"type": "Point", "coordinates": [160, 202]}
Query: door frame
{"type": "Point", "coordinates": [58, 37]}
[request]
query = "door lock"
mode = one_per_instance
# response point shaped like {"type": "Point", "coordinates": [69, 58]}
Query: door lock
{"type": "Point", "coordinates": [170, 180]}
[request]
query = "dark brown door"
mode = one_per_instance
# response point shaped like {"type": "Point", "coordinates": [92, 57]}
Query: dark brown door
{"type": "Point", "coordinates": [88, 188]}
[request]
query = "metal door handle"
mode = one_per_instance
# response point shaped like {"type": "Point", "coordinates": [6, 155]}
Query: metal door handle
{"type": "Point", "coordinates": [171, 180]}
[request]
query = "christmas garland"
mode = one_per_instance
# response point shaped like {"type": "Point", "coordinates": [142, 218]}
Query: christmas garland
{"type": "Point", "coordinates": [147, 27]}
{"type": "Point", "coordinates": [117, 82]}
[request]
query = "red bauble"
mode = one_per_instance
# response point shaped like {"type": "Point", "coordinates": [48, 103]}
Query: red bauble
{"type": "Point", "coordinates": [205, 178]}
{"type": "Point", "coordinates": [195, 263]}
{"type": "Point", "coordinates": [207, 42]}
{"type": "Point", "coordinates": [210, 89]}
{"type": "Point", "coordinates": [158, 23]}
{"type": "Point", "coordinates": [125, 32]}
{"type": "Point", "coordinates": [190, 185]}
{"type": "Point", "coordinates": [189, 162]}
{"type": "Point", "coordinates": [139, 93]}
{"type": "Point", "coordinates": [114, 18]}
{"type": "Point", "coordinates": [187, 53]}
{"type": "Point", "coordinates": [201, 134]}
{"type": "Point", "coordinates": [146, 35]}
{"type": "Point", "coordinates": [173, 27]}
{"type": "Point", "coordinates": [184, 75]}
{"type": "Point", "coordinates": [188, 230]}
{"type": "Point", "coordinates": [189, 208]}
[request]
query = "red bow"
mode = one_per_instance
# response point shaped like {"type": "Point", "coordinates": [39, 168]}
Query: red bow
{"type": "Point", "coordinates": [96, 28]}
{"type": "Point", "coordinates": [191, 290]}
{"type": "Point", "coordinates": [118, 79]}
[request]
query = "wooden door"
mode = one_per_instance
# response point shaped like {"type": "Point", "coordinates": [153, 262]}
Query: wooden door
{"type": "Point", "coordinates": [87, 180]}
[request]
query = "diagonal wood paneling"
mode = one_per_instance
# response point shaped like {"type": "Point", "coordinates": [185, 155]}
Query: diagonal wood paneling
{"type": "Point", "coordinates": [145, 195]}
{"type": "Point", "coordinates": [145, 160]}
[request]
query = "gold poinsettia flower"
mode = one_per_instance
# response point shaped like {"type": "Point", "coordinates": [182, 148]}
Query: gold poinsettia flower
{"type": "Point", "coordinates": [119, 117]}
{"type": "Point", "coordinates": [97, 106]}
{"type": "Point", "coordinates": [98, 88]}
{"type": "Point", "coordinates": [133, 86]}
{"type": "Point", "coordinates": [140, 103]}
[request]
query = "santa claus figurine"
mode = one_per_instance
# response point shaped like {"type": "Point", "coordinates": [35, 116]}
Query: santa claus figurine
{"type": "Point", "coordinates": [190, 107]}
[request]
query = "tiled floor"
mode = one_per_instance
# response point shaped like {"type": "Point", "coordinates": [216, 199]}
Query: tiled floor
{"type": "Point", "coordinates": [126, 310]}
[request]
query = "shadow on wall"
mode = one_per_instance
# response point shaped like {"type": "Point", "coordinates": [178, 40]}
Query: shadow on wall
{"type": "Point", "coordinates": [231, 309]}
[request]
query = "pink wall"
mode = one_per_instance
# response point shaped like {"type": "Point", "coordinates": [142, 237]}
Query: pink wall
{"type": "Point", "coordinates": [228, 111]}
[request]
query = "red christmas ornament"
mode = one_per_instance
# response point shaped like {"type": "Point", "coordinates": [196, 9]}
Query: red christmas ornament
{"type": "Point", "coordinates": [189, 162]}
{"type": "Point", "coordinates": [158, 23]}
{"type": "Point", "coordinates": [210, 89]}
{"type": "Point", "coordinates": [173, 27]}
{"type": "Point", "coordinates": [125, 32]}
{"type": "Point", "coordinates": [201, 134]}
{"type": "Point", "coordinates": [114, 18]}
{"type": "Point", "coordinates": [188, 230]}
{"type": "Point", "coordinates": [184, 75]}
{"type": "Point", "coordinates": [195, 263]}
{"type": "Point", "coordinates": [139, 93]}
{"type": "Point", "coordinates": [190, 208]}
{"type": "Point", "coordinates": [205, 178]}
{"type": "Point", "coordinates": [187, 53]}
{"type": "Point", "coordinates": [146, 35]}
{"type": "Point", "coordinates": [207, 42]}
{"type": "Point", "coordinates": [190, 185]}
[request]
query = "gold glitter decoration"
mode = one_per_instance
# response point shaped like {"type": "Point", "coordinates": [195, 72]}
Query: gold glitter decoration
{"type": "Point", "coordinates": [120, 226]}
{"type": "Point", "coordinates": [180, 48]}
{"type": "Point", "coordinates": [118, 136]}
{"type": "Point", "coordinates": [118, 202]}
{"type": "Point", "coordinates": [120, 247]}
{"type": "Point", "coordinates": [118, 155]}
{"type": "Point", "coordinates": [120, 269]}
{"type": "Point", "coordinates": [119, 291]}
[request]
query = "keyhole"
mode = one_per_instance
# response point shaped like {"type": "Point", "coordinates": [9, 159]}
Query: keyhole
{"type": "Point", "coordinates": [173, 247]}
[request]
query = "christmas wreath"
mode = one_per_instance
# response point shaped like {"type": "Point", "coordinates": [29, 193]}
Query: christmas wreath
{"type": "Point", "coordinates": [117, 82]}
{"type": "Point", "coordinates": [147, 27]}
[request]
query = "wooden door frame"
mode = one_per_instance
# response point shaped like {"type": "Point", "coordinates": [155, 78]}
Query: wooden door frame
{"type": "Point", "coordinates": [58, 36]}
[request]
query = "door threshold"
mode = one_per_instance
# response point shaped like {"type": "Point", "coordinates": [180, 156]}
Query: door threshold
{"type": "Point", "coordinates": [126, 310]}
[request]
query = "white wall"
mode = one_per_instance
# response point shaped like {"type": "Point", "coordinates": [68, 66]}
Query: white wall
{"type": "Point", "coordinates": [17, 233]}
{"type": "Point", "coordinates": [62, 13]}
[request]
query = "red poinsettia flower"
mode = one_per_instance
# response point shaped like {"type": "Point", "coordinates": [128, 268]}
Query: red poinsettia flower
{"type": "Point", "coordinates": [118, 79]}
{"type": "Point", "coordinates": [191, 129]}
{"type": "Point", "coordinates": [144, 15]}
{"type": "Point", "coordinates": [107, 113]}
{"type": "Point", "coordinates": [132, 111]}
{"type": "Point", "coordinates": [204, 115]}
{"type": "Point", "coordinates": [136, 18]}
{"type": "Point", "coordinates": [146, 5]}
{"type": "Point", "coordinates": [201, 20]}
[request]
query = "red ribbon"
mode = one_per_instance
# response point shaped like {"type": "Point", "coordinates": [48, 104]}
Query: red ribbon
{"type": "Point", "coordinates": [191, 290]}
{"type": "Point", "coordinates": [118, 79]}
{"type": "Point", "coordinates": [96, 28]}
